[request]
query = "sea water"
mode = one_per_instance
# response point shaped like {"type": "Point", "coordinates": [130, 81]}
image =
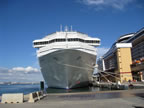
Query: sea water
{"type": "Point", "coordinates": [28, 88]}
{"type": "Point", "coordinates": [18, 88]}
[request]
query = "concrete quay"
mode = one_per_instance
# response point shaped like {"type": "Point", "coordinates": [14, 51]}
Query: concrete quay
{"type": "Point", "coordinates": [122, 86]}
{"type": "Point", "coordinates": [101, 99]}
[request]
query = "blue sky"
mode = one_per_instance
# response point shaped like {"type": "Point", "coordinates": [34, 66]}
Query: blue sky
{"type": "Point", "coordinates": [22, 21]}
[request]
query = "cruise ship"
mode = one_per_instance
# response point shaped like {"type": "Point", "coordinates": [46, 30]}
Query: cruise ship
{"type": "Point", "coordinates": [67, 58]}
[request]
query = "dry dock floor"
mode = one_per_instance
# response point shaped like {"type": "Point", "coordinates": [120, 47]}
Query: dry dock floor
{"type": "Point", "coordinates": [103, 99]}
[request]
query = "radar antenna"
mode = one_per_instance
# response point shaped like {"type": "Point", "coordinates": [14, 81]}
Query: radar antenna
{"type": "Point", "coordinates": [66, 28]}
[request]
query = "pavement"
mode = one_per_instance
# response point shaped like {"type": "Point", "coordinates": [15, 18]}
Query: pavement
{"type": "Point", "coordinates": [104, 99]}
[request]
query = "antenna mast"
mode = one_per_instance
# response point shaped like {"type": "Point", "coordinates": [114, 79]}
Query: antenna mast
{"type": "Point", "coordinates": [60, 28]}
{"type": "Point", "coordinates": [66, 28]}
{"type": "Point", "coordinates": [71, 28]}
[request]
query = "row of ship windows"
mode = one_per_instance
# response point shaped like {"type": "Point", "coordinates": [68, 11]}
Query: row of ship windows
{"type": "Point", "coordinates": [141, 44]}
{"type": "Point", "coordinates": [62, 40]}
{"type": "Point", "coordinates": [141, 33]}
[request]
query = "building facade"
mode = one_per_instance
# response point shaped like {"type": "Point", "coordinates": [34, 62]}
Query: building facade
{"type": "Point", "coordinates": [125, 59]}
{"type": "Point", "coordinates": [137, 66]}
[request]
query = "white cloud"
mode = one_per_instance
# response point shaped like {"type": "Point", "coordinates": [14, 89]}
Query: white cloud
{"type": "Point", "coordinates": [20, 74]}
{"type": "Point", "coordinates": [93, 2]}
{"type": "Point", "coordinates": [101, 51]}
{"type": "Point", "coordinates": [28, 69]}
{"type": "Point", "coordinates": [117, 4]}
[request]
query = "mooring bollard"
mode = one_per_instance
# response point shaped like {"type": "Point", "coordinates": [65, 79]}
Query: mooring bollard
{"type": "Point", "coordinates": [42, 85]}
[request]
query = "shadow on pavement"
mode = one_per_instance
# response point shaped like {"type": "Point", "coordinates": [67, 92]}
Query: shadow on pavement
{"type": "Point", "coordinates": [138, 106]}
{"type": "Point", "coordinates": [141, 95]}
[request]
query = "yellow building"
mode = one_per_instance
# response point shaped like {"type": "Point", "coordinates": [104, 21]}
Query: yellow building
{"type": "Point", "coordinates": [118, 64]}
{"type": "Point", "coordinates": [124, 60]}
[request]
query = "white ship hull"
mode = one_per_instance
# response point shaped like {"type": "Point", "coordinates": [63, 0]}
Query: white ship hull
{"type": "Point", "coordinates": [67, 68]}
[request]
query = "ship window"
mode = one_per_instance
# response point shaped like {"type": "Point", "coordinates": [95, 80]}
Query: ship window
{"type": "Point", "coordinates": [70, 39]}
{"type": "Point", "coordinates": [35, 43]}
{"type": "Point", "coordinates": [73, 39]}
{"type": "Point", "coordinates": [63, 39]}
{"type": "Point", "coordinates": [57, 40]}
{"type": "Point", "coordinates": [60, 40]}
{"type": "Point", "coordinates": [46, 42]}
{"type": "Point", "coordinates": [80, 40]}
{"type": "Point", "coordinates": [76, 39]}
{"type": "Point", "coordinates": [87, 41]}
{"type": "Point", "coordinates": [50, 41]}
{"type": "Point", "coordinates": [91, 41]}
